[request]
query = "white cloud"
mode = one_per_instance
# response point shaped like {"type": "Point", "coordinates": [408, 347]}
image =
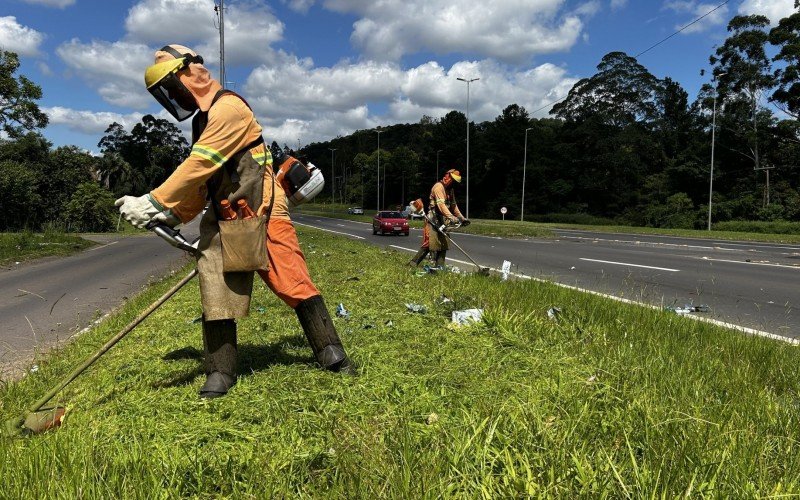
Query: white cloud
{"type": "Point", "coordinates": [775, 10]}
{"type": "Point", "coordinates": [509, 30]}
{"type": "Point", "coordinates": [301, 6]}
{"type": "Point", "coordinates": [618, 4]}
{"type": "Point", "coordinates": [315, 104]}
{"type": "Point", "coordinates": [181, 21]}
{"type": "Point", "coordinates": [52, 3]}
{"type": "Point", "coordinates": [249, 28]}
{"type": "Point", "coordinates": [17, 38]}
{"type": "Point", "coordinates": [89, 122]}
{"type": "Point", "coordinates": [695, 9]}
{"type": "Point", "coordinates": [115, 69]}
{"type": "Point", "coordinates": [44, 68]}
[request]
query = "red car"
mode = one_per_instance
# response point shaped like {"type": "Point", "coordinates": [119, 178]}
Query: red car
{"type": "Point", "coordinates": [389, 222]}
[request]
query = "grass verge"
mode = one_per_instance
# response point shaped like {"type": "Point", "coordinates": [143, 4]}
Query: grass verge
{"type": "Point", "coordinates": [19, 247]}
{"type": "Point", "coordinates": [606, 401]}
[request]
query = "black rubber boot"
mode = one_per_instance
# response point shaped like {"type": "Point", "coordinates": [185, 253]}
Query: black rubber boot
{"type": "Point", "coordinates": [321, 334]}
{"type": "Point", "coordinates": [440, 256]}
{"type": "Point", "coordinates": [421, 254]}
{"type": "Point", "coordinates": [219, 343]}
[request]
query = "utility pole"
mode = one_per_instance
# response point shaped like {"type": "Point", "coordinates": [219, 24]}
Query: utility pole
{"type": "Point", "coordinates": [713, 138]}
{"type": "Point", "coordinates": [524, 166]}
{"type": "Point", "coordinates": [333, 178]}
{"type": "Point", "coordinates": [468, 81]}
{"type": "Point", "coordinates": [220, 10]}
{"type": "Point", "coordinates": [378, 208]}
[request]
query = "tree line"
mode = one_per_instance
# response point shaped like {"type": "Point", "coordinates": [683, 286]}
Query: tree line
{"type": "Point", "coordinates": [623, 146]}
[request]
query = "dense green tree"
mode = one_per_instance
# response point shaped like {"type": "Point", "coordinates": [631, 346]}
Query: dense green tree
{"type": "Point", "coordinates": [90, 209]}
{"type": "Point", "coordinates": [622, 92]}
{"type": "Point", "coordinates": [59, 178]}
{"type": "Point", "coordinates": [21, 201]}
{"type": "Point", "coordinates": [18, 95]}
{"type": "Point", "coordinates": [786, 36]}
{"type": "Point", "coordinates": [744, 72]}
{"type": "Point", "coordinates": [153, 149]}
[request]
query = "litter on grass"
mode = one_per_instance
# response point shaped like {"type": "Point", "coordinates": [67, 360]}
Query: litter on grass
{"type": "Point", "coordinates": [688, 309]}
{"type": "Point", "coordinates": [342, 312]}
{"type": "Point", "coordinates": [506, 269]}
{"type": "Point", "coordinates": [553, 313]}
{"type": "Point", "coordinates": [467, 316]}
{"type": "Point", "coordinates": [417, 308]}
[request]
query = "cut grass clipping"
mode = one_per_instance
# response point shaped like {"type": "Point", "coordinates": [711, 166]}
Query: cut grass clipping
{"type": "Point", "coordinates": [605, 400]}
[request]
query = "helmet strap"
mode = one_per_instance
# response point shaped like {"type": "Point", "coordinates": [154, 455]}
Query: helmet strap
{"type": "Point", "coordinates": [187, 58]}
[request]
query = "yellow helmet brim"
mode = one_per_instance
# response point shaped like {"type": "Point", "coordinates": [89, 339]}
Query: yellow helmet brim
{"type": "Point", "coordinates": [155, 73]}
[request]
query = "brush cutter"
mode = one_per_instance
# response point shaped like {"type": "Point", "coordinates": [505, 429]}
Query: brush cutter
{"type": "Point", "coordinates": [38, 418]}
{"type": "Point", "coordinates": [445, 229]}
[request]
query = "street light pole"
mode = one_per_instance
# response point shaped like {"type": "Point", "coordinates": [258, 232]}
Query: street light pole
{"type": "Point", "coordinates": [468, 81]}
{"type": "Point", "coordinates": [437, 164]}
{"type": "Point", "coordinates": [713, 138]}
{"type": "Point", "coordinates": [378, 208]}
{"type": "Point", "coordinates": [333, 178]}
{"type": "Point", "coordinates": [524, 167]}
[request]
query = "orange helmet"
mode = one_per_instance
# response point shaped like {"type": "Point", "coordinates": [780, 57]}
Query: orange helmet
{"type": "Point", "coordinates": [417, 205]}
{"type": "Point", "coordinates": [454, 174]}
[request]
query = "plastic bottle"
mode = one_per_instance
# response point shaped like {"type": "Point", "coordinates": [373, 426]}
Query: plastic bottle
{"type": "Point", "coordinates": [244, 208]}
{"type": "Point", "coordinates": [228, 213]}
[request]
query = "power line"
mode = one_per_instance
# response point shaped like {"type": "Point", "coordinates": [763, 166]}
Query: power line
{"type": "Point", "coordinates": [683, 28]}
{"type": "Point", "coordinates": [648, 49]}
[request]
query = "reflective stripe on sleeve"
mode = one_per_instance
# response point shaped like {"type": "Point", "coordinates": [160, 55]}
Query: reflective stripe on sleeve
{"type": "Point", "coordinates": [208, 153]}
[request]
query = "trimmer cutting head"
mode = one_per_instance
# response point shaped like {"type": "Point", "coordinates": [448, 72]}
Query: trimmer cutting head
{"type": "Point", "coordinates": [36, 422]}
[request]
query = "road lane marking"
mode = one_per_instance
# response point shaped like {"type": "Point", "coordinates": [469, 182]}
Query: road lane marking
{"type": "Point", "coordinates": [330, 230]}
{"type": "Point", "coordinates": [732, 326]}
{"type": "Point", "coordinates": [103, 246]}
{"type": "Point", "coordinates": [744, 262]}
{"type": "Point", "coordinates": [632, 265]}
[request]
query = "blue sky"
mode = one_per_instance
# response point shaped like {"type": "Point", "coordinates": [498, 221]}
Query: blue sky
{"type": "Point", "coordinates": [315, 69]}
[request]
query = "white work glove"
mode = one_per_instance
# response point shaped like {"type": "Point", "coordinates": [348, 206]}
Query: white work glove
{"type": "Point", "coordinates": [139, 210]}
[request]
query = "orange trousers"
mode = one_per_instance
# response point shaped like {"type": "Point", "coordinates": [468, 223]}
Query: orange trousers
{"type": "Point", "coordinates": [426, 235]}
{"type": "Point", "coordinates": [287, 276]}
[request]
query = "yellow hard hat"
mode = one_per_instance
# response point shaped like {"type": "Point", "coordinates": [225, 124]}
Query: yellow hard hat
{"type": "Point", "coordinates": [155, 73]}
{"type": "Point", "coordinates": [454, 174]}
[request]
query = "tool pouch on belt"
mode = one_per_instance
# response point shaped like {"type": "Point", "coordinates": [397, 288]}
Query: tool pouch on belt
{"type": "Point", "coordinates": [244, 245]}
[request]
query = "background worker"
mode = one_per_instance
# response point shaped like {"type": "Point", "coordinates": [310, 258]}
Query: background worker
{"type": "Point", "coordinates": [443, 210]}
{"type": "Point", "coordinates": [229, 160]}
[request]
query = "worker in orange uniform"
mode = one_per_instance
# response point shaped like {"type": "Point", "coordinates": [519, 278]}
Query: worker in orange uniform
{"type": "Point", "coordinates": [229, 161]}
{"type": "Point", "coordinates": [443, 211]}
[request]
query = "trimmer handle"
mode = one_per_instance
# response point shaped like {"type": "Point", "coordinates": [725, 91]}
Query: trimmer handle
{"type": "Point", "coordinates": [172, 236]}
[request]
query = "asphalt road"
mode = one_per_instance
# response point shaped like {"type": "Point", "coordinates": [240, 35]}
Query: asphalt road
{"type": "Point", "coordinates": [752, 285]}
{"type": "Point", "coordinates": [45, 302]}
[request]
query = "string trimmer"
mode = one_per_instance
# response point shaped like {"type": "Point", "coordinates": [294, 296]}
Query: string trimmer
{"type": "Point", "coordinates": [38, 418]}
{"type": "Point", "coordinates": [445, 229]}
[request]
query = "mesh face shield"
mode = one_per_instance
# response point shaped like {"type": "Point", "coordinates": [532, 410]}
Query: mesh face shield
{"type": "Point", "coordinates": [174, 97]}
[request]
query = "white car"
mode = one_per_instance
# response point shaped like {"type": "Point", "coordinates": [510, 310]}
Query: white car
{"type": "Point", "coordinates": [355, 211]}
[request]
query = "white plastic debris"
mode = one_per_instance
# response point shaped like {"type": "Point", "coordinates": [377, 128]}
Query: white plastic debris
{"type": "Point", "coordinates": [553, 312]}
{"type": "Point", "coordinates": [506, 269]}
{"type": "Point", "coordinates": [342, 312]}
{"type": "Point", "coordinates": [467, 316]}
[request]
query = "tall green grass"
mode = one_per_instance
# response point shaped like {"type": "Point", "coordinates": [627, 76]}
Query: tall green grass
{"type": "Point", "coordinates": [606, 400]}
{"type": "Point", "coordinates": [26, 245]}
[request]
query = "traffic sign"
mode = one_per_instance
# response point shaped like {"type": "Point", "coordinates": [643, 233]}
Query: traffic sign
{"type": "Point", "coordinates": [503, 210]}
